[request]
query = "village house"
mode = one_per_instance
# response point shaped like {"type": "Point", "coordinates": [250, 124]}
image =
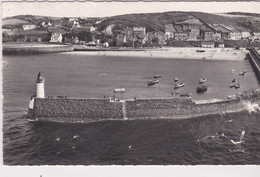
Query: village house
{"type": "Point", "coordinates": [139, 31]}
{"type": "Point", "coordinates": [221, 45]}
{"type": "Point", "coordinates": [72, 40]}
{"type": "Point", "coordinates": [181, 36]}
{"type": "Point", "coordinates": [235, 36]}
{"type": "Point", "coordinates": [105, 45]}
{"type": "Point", "coordinates": [245, 34]}
{"type": "Point", "coordinates": [207, 44]}
{"type": "Point", "coordinates": [45, 24]}
{"type": "Point", "coordinates": [169, 31]}
{"type": "Point", "coordinates": [29, 27]}
{"type": "Point", "coordinates": [108, 30]}
{"type": "Point", "coordinates": [56, 37]}
{"type": "Point", "coordinates": [121, 40]}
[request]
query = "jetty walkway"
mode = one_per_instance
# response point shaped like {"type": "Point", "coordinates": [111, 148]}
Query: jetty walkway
{"type": "Point", "coordinates": [254, 58]}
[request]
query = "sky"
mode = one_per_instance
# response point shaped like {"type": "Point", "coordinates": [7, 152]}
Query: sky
{"type": "Point", "coordinates": [104, 9]}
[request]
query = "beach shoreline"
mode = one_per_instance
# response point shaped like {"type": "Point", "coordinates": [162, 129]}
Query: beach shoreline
{"type": "Point", "coordinates": [163, 52]}
{"type": "Point", "coordinates": [175, 53]}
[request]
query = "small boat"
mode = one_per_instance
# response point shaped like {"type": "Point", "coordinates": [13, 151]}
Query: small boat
{"type": "Point", "coordinates": [179, 85]}
{"type": "Point", "coordinates": [157, 76]}
{"type": "Point", "coordinates": [242, 73]}
{"type": "Point", "coordinates": [119, 90]}
{"type": "Point", "coordinates": [202, 80]}
{"type": "Point", "coordinates": [202, 88]}
{"type": "Point", "coordinates": [185, 94]}
{"type": "Point", "coordinates": [200, 50]}
{"type": "Point", "coordinates": [176, 79]}
{"type": "Point", "coordinates": [152, 82]}
{"type": "Point", "coordinates": [237, 86]}
{"type": "Point", "coordinates": [232, 85]}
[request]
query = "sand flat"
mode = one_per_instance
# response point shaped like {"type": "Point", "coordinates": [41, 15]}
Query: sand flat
{"type": "Point", "coordinates": [176, 53]}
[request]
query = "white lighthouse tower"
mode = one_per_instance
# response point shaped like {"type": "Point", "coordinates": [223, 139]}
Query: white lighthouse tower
{"type": "Point", "coordinates": [40, 86]}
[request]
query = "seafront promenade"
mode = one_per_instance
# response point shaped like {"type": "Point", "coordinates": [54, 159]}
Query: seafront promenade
{"type": "Point", "coordinates": [163, 52]}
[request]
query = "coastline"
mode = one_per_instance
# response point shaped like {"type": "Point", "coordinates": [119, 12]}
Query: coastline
{"type": "Point", "coordinates": [163, 53]}
{"type": "Point", "coordinates": [175, 53]}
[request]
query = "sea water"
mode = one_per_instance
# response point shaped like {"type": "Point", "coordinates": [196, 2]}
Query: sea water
{"type": "Point", "coordinates": [203, 140]}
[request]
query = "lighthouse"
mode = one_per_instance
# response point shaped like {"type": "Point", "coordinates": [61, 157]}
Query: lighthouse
{"type": "Point", "coordinates": [40, 86]}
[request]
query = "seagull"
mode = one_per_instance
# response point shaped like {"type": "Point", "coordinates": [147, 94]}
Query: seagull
{"type": "Point", "coordinates": [76, 136]}
{"type": "Point", "coordinates": [57, 139]}
{"type": "Point", "coordinates": [238, 143]}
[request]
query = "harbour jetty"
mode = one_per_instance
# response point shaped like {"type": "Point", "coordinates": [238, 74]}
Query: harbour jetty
{"type": "Point", "coordinates": [35, 48]}
{"type": "Point", "coordinates": [85, 110]}
{"type": "Point", "coordinates": [254, 59]}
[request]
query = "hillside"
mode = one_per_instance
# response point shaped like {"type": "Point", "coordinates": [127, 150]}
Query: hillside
{"type": "Point", "coordinates": [111, 29]}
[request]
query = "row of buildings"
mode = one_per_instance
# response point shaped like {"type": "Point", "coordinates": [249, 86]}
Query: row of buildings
{"type": "Point", "coordinates": [212, 32]}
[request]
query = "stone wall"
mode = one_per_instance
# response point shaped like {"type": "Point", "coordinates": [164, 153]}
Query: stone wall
{"type": "Point", "coordinates": [159, 108]}
{"type": "Point", "coordinates": [91, 110]}
{"type": "Point", "coordinates": [77, 110]}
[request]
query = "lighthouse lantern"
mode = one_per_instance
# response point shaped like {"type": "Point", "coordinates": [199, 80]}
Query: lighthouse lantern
{"type": "Point", "coordinates": [40, 86]}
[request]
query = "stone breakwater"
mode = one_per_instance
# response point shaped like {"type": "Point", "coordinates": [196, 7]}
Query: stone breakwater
{"type": "Point", "coordinates": [79, 110]}
{"type": "Point", "coordinates": [35, 49]}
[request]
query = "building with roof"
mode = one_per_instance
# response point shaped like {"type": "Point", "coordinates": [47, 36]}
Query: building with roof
{"type": "Point", "coordinates": [207, 44]}
{"type": "Point", "coordinates": [139, 31]}
{"type": "Point", "coordinates": [169, 31]}
{"type": "Point", "coordinates": [181, 36]}
{"type": "Point", "coordinates": [56, 37]}
{"type": "Point", "coordinates": [235, 36]}
{"type": "Point", "coordinates": [29, 27]}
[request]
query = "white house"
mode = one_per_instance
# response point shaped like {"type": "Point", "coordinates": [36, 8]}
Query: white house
{"type": "Point", "coordinates": [235, 35]}
{"type": "Point", "coordinates": [207, 44]}
{"type": "Point", "coordinates": [245, 34]}
{"type": "Point", "coordinates": [56, 37]}
{"type": "Point", "coordinates": [221, 45]}
{"type": "Point", "coordinates": [28, 27]}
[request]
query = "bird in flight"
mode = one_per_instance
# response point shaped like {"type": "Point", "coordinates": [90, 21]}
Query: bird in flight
{"type": "Point", "coordinates": [238, 143]}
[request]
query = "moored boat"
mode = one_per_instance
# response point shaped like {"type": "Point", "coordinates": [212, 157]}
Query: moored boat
{"type": "Point", "coordinates": [202, 88]}
{"type": "Point", "coordinates": [202, 80]}
{"type": "Point", "coordinates": [119, 90]}
{"type": "Point", "coordinates": [237, 86]}
{"type": "Point", "coordinates": [185, 94]}
{"type": "Point", "coordinates": [157, 76]}
{"type": "Point", "coordinates": [179, 85]}
{"type": "Point", "coordinates": [152, 82]}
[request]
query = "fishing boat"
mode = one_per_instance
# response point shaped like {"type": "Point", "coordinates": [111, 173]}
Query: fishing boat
{"type": "Point", "coordinates": [119, 90]}
{"type": "Point", "coordinates": [157, 76]}
{"type": "Point", "coordinates": [179, 85]}
{"type": "Point", "coordinates": [242, 73]}
{"type": "Point", "coordinates": [152, 82]}
{"type": "Point", "coordinates": [202, 80]}
{"type": "Point", "coordinates": [202, 88]}
{"type": "Point", "coordinates": [237, 86]}
{"type": "Point", "coordinates": [185, 94]}
{"type": "Point", "coordinates": [200, 51]}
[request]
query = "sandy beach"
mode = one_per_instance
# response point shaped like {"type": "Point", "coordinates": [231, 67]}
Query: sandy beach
{"type": "Point", "coordinates": [177, 53]}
